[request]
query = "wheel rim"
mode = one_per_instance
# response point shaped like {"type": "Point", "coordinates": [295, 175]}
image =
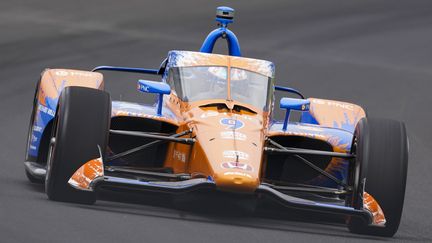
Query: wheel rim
{"type": "Point", "coordinates": [50, 153]}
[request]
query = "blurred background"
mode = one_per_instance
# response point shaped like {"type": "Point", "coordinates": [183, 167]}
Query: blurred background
{"type": "Point", "coordinates": [374, 53]}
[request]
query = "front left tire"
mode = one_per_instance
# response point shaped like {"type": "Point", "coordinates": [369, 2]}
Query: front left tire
{"type": "Point", "coordinates": [381, 148]}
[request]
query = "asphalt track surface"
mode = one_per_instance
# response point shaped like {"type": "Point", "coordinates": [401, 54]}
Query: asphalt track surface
{"type": "Point", "coordinates": [374, 53]}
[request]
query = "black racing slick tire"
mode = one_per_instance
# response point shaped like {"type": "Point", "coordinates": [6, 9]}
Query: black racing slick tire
{"type": "Point", "coordinates": [81, 125]}
{"type": "Point", "coordinates": [30, 177]}
{"type": "Point", "coordinates": [381, 148]}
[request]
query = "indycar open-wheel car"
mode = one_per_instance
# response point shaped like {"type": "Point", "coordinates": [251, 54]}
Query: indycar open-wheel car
{"type": "Point", "coordinates": [213, 128]}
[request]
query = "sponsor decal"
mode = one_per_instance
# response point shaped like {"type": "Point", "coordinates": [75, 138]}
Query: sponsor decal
{"type": "Point", "coordinates": [177, 155]}
{"type": "Point", "coordinates": [305, 134]}
{"type": "Point", "coordinates": [46, 110]}
{"type": "Point", "coordinates": [236, 173]}
{"type": "Point", "coordinates": [132, 109]}
{"type": "Point", "coordinates": [243, 116]}
{"type": "Point", "coordinates": [249, 118]}
{"type": "Point", "coordinates": [231, 124]}
{"type": "Point", "coordinates": [337, 104]}
{"type": "Point", "coordinates": [237, 165]}
{"type": "Point", "coordinates": [233, 154]}
{"type": "Point", "coordinates": [246, 117]}
{"type": "Point", "coordinates": [34, 138]}
{"type": "Point", "coordinates": [370, 204]}
{"type": "Point", "coordinates": [143, 88]}
{"type": "Point", "coordinates": [135, 114]}
{"type": "Point", "coordinates": [308, 128]}
{"type": "Point", "coordinates": [231, 135]}
{"type": "Point", "coordinates": [37, 128]}
{"type": "Point", "coordinates": [209, 114]}
{"type": "Point", "coordinates": [64, 73]}
{"type": "Point", "coordinates": [61, 73]}
{"type": "Point", "coordinates": [86, 174]}
{"type": "Point", "coordinates": [32, 147]}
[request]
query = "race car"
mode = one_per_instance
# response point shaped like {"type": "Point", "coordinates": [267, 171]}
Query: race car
{"type": "Point", "coordinates": [213, 129]}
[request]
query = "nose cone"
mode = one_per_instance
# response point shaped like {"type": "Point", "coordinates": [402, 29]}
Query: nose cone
{"type": "Point", "coordinates": [236, 180]}
{"type": "Point", "coordinates": [232, 144]}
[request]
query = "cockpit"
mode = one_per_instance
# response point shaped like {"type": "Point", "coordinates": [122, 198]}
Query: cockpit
{"type": "Point", "coordinates": [199, 76]}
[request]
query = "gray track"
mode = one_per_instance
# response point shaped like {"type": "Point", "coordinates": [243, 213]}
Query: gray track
{"type": "Point", "coordinates": [374, 53]}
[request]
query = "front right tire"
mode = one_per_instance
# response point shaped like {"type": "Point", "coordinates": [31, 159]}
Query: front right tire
{"type": "Point", "coordinates": [81, 125]}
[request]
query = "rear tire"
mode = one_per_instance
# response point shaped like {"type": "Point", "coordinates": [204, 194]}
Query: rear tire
{"type": "Point", "coordinates": [81, 125]}
{"type": "Point", "coordinates": [30, 177]}
{"type": "Point", "coordinates": [381, 148]}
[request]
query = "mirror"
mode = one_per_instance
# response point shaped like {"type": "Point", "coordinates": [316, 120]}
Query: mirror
{"type": "Point", "coordinates": [293, 104]}
{"type": "Point", "coordinates": [154, 87]}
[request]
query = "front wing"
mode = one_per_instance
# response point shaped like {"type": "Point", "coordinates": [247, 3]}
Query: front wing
{"type": "Point", "coordinates": [93, 176]}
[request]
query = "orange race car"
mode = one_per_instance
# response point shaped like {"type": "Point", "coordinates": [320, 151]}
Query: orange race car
{"type": "Point", "coordinates": [213, 129]}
